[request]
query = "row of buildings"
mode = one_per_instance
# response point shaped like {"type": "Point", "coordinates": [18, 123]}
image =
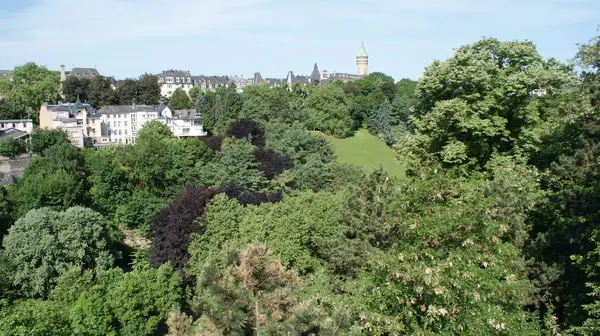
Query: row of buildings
{"type": "Point", "coordinates": [171, 80]}
{"type": "Point", "coordinates": [110, 125]}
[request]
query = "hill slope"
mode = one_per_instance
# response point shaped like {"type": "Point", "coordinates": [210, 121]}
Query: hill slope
{"type": "Point", "coordinates": [367, 151]}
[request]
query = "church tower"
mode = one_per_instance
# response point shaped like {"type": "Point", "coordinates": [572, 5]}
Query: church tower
{"type": "Point", "coordinates": [362, 61]}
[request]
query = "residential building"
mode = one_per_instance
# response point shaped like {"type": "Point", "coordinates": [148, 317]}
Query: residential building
{"type": "Point", "coordinates": [5, 73]}
{"type": "Point", "coordinates": [23, 125]}
{"type": "Point", "coordinates": [183, 123]}
{"type": "Point", "coordinates": [120, 124]}
{"type": "Point", "coordinates": [210, 83]}
{"type": "Point", "coordinates": [80, 121]}
{"type": "Point", "coordinates": [78, 72]}
{"type": "Point", "coordinates": [170, 80]}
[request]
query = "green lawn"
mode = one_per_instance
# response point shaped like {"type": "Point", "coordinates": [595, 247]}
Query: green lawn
{"type": "Point", "coordinates": [367, 151]}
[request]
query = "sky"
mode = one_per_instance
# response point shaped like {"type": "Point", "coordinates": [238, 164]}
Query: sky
{"type": "Point", "coordinates": [126, 38]}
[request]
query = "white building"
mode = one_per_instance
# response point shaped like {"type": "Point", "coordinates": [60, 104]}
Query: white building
{"type": "Point", "coordinates": [23, 125]}
{"type": "Point", "coordinates": [120, 124]}
{"type": "Point", "coordinates": [170, 80]}
{"type": "Point", "coordinates": [184, 123]}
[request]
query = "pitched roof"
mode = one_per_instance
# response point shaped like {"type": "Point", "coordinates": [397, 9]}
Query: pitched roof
{"type": "Point", "coordinates": [186, 114]}
{"type": "Point", "coordinates": [316, 75]}
{"type": "Point", "coordinates": [114, 109]}
{"type": "Point", "coordinates": [84, 72]}
{"type": "Point", "coordinates": [362, 52]}
{"type": "Point", "coordinates": [175, 73]}
{"type": "Point", "coordinates": [12, 133]}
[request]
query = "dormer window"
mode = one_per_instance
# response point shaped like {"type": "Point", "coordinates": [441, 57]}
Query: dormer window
{"type": "Point", "coordinates": [177, 79]}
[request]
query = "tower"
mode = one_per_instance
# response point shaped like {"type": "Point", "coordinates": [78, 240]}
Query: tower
{"type": "Point", "coordinates": [315, 77]}
{"type": "Point", "coordinates": [362, 61]}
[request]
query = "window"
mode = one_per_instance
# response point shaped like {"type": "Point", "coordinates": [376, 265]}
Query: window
{"type": "Point", "coordinates": [114, 124]}
{"type": "Point", "coordinates": [125, 132]}
{"type": "Point", "coordinates": [119, 123]}
{"type": "Point", "coordinates": [118, 116]}
{"type": "Point", "coordinates": [125, 123]}
{"type": "Point", "coordinates": [189, 80]}
{"type": "Point", "coordinates": [24, 125]}
{"type": "Point", "coordinates": [119, 132]}
{"type": "Point", "coordinates": [170, 86]}
{"type": "Point", "coordinates": [108, 132]}
{"type": "Point", "coordinates": [177, 79]}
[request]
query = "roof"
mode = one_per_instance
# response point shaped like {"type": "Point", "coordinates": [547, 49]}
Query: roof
{"type": "Point", "coordinates": [316, 75]}
{"type": "Point", "coordinates": [175, 73]}
{"type": "Point", "coordinates": [362, 52]}
{"type": "Point", "coordinates": [186, 114]}
{"type": "Point", "coordinates": [16, 120]}
{"type": "Point", "coordinates": [115, 109]}
{"type": "Point", "coordinates": [84, 72]}
{"type": "Point", "coordinates": [12, 133]}
{"type": "Point", "coordinates": [5, 73]}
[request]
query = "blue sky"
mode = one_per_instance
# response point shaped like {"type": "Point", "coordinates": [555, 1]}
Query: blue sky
{"type": "Point", "coordinates": [125, 38]}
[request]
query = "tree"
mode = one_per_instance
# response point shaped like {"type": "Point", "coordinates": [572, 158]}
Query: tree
{"type": "Point", "coordinates": [42, 139]}
{"type": "Point", "coordinates": [174, 224]}
{"type": "Point", "coordinates": [272, 163]}
{"type": "Point", "coordinates": [30, 86]}
{"type": "Point", "coordinates": [10, 147]}
{"type": "Point", "coordinates": [76, 237]}
{"type": "Point", "coordinates": [33, 318]}
{"type": "Point", "coordinates": [235, 164]}
{"type": "Point", "coordinates": [480, 101]}
{"type": "Point", "coordinates": [329, 110]}
{"type": "Point", "coordinates": [379, 120]}
{"type": "Point", "coordinates": [100, 92]}
{"type": "Point", "coordinates": [73, 88]}
{"type": "Point", "coordinates": [148, 90]}
{"type": "Point", "coordinates": [180, 100]}
{"type": "Point", "coordinates": [247, 129]}
{"type": "Point", "coordinates": [194, 93]}
{"type": "Point", "coordinates": [127, 92]}
{"type": "Point", "coordinates": [200, 104]}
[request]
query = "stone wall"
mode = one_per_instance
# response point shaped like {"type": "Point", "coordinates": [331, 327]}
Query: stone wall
{"type": "Point", "coordinates": [9, 169]}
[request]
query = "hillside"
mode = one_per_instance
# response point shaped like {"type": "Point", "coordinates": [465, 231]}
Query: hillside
{"type": "Point", "coordinates": [367, 151]}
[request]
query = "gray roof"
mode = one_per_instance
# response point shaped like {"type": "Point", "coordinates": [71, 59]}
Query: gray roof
{"type": "Point", "coordinates": [67, 107]}
{"type": "Point", "coordinates": [115, 109]}
{"type": "Point", "coordinates": [12, 133]}
{"type": "Point", "coordinates": [186, 114]}
{"type": "Point", "coordinates": [5, 73]}
{"type": "Point", "coordinates": [316, 75]}
{"type": "Point", "coordinates": [84, 72]}
{"type": "Point", "coordinates": [174, 73]}
{"type": "Point", "coordinates": [257, 78]}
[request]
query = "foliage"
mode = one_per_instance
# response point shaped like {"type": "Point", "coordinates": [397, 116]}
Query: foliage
{"type": "Point", "coordinates": [379, 120]}
{"type": "Point", "coordinates": [29, 87]}
{"type": "Point", "coordinates": [100, 92]}
{"type": "Point", "coordinates": [330, 111]}
{"type": "Point", "coordinates": [42, 139]}
{"type": "Point", "coordinates": [33, 318]}
{"type": "Point", "coordinates": [75, 88]}
{"type": "Point", "coordinates": [45, 244]}
{"type": "Point", "coordinates": [10, 147]}
{"type": "Point", "coordinates": [139, 211]}
{"type": "Point", "coordinates": [180, 100]}
{"type": "Point", "coordinates": [247, 129]}
{"type": "Point", "coordinates": [174, 224]}
{"type": "Point", "coordinates": [480, 101]}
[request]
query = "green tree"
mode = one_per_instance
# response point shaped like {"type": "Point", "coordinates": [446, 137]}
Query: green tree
{"type": "Point", "coordinates": [480, 101]}
{"type": "Point", "coordinates": [234, 164]}
{"type": "Point", "coordinates": [329, 110]}
{"type": "Point", "coordinates": [73, 87]}
{"type": "Point", "coordinates": [76, 237]}
{"type": "Point", "coordinates": [100, 92]}
{"type": "Point", "coordinates": [379, 120]}
{"type": "Point", "coordinates": [30, 86]}
{"type": "Point", "coordinates": [11, 147]}
{"type": "Point", "coordinates": [42, 139]}
{"type": "Point", "coordinates": [33, 318]}
{"type": "Point", "coordinates": [195, 92]}
{"type": "Point", "coordinates": [148, 90]}
{"type": "Point", "coordinates": [127, 92]}
{"type": "Point", "coordinates": [180, 100]}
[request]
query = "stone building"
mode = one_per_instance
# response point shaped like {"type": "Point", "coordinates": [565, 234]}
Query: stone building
{"type": "Point", "coordinates": [80, 121]}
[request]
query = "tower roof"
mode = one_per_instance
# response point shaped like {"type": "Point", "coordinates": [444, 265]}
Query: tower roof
{"type": "Point", "coordinates": [362, 52]}
{"type": "Point", "coordinates": [316, 75]}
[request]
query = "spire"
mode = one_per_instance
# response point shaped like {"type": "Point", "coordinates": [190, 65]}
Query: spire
{"type": "Point", "coordinates": [362, 52]}
{"type": "Point", "coordinates": [316, 75]}
{"type": "Point", "coordinates": [78, 102]}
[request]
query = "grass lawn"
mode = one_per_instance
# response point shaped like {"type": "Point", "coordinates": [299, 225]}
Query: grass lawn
{"type": "Point", "coordinates": [367, 151]}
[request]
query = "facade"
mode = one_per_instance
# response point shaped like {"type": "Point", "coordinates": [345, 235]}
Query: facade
{"type": "Point", "coordinates": [210, 83]}
{"type": "Point", "coordinates": [183, 123]}
{"type": "Point", "coordinates": [120, 124]}
{"type": "Point", "coordinates": [170, 80]}
{"type": "Point", "coordinates": [23, 125]}
{"type": "Point", "coordinates": [80, 121]}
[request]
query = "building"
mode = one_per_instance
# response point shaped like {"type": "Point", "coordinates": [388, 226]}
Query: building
{"type": "Point", "coordinates": [170, 80]}
{"type": "Point", "coordinates": [183, 123]}
{"type": "Point", "coordinates": [23, 125]}
{"type": "Point", "coordinates": [88, 73]}
{"type": "Point", "coordinates": [5, 73]}
{"type": "Point", "coordinates": [120, 124]}
{"type": "Point", "coordinates": [210, 83]}
{"type": "Point", "coordinates": [80, 121]}
{"type": "Point", "coordinates": [362, 61]}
